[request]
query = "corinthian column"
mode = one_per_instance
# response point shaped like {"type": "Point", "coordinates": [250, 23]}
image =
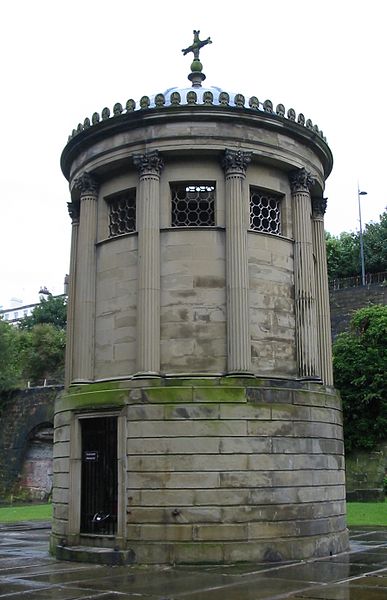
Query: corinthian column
{"type": "Point", "coordinates": [73, 208]}
{"type": "Point", "coordinates": [304, 277]}
{"type": "Point", "coordinates": [238, 322]}
{"type": "Point", "coordinates": [319, 206]}
{"type": "Point", "coordinates": [84, 310]}
{"type": "Point", "coordinates": [148, 225]}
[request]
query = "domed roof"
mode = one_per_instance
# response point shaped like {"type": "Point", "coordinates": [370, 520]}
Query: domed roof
{"type": "Point", "coordinates": [201, 94]}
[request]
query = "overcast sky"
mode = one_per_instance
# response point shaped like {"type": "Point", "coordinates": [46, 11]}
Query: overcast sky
{"type": "Point", "coordinates": [63, 60]}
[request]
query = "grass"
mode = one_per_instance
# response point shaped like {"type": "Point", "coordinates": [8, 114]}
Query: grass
{"type": "Point", "coordinates": [26, 512]}
{"type": "Point", "coordinates": [367, 513]}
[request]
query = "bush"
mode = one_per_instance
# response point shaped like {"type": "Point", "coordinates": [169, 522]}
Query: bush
{"type": "Point", "coordinates": [359, 360]}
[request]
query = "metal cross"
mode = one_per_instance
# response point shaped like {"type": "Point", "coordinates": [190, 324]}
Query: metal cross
{"type": "Point", "coordinates": [197, 44]}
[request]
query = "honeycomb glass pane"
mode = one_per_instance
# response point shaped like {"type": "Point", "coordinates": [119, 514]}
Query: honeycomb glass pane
{"type": "Point", "coordinates": [193, 205]}
{"type": "Point", "coordinates": [265, 212]}
{"type": "Point", "coordinates": [122, 213]}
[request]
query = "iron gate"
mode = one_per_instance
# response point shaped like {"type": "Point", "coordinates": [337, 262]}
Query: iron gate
{"type": "Point", "coordinates": [99, 479]}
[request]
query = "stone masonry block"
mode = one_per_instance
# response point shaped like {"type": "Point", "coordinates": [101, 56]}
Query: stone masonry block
{"type": "Point", "coordinates": [166, 532]}
{"type": "Point", "coordinates": [61, 450]}
{"type": "Point", "coordinates": [245, 445]}
{"type": "Point", "coordinates": [270, 428]}
{"type": "Point", "coordinates": [189, 428]}
{"type": "Point", "coordinates": [246, 479]}
{"type": "Point", "coordinates": [188, 462]}
{"type": "Point", "coordinates": [178, 445]}
{"type": "Point", "coordinates": [167, 480]}
{"type": "Point", "coordinates": [222, 531]}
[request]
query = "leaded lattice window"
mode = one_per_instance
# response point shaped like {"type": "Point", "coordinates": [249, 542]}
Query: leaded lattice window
{"type": "Point", "coordinates": [122, 213]}
{"type": "Point", "coordinates": [265, 212]}
{"type": "Point", "coordinates": [193, 205]}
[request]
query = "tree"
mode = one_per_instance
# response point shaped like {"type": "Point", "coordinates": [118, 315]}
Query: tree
{"type": "Point", "coordinates": [42, 353]}
{"type": "Point", "coordinates": [343, 251]}
{"type": "Point", "coordinates": [343, 255]}
{"type": "Point", "coordinates": [52, 310]}
{"type": "Point", "coordinates": [10, 367]}
{"type": "Point", "coordinates": [375, 245]}
{"type": "Point", "coordinates": [360, 365]}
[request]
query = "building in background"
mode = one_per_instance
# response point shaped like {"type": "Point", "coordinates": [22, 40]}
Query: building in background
{"type": "Point", "coordinates": [16, 309]}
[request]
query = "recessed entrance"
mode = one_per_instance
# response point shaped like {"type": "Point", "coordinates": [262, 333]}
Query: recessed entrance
{"type": "Point", "coordinates": [99, 478]}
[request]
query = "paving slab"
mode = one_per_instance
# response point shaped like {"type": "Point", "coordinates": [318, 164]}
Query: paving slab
{"type": "Point", "coordinates": [341, 592]}
{"type": "Point", "coordinates": [28, 572]}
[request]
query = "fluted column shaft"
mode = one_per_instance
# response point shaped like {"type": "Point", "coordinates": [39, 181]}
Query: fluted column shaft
{"type": "Point", "coordinates": [304, 277]}
{"type": "Point", "coordinates": [238, 322]}
{"type": "Point", "coordinates": [148, 300]}
{"type": "Point", "coordinates": [84, 313]}
{"type": "Point", "coordinates": [322, 292]}
{"type": "Point", "coordinates": [74, 214]}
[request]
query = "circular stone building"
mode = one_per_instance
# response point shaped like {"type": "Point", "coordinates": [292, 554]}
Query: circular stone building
{"type": "Point", "coordinates": [199, 421]}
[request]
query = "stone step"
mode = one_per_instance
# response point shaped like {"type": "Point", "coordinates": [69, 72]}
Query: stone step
{"type": "Point", "coordinates": [100, 556]}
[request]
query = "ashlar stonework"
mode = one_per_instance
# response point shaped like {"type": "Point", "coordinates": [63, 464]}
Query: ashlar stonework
{"type": "Point", "coordinates": [199, 375]}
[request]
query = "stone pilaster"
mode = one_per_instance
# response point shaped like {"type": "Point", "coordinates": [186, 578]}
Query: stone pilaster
{"type": "Point", "coordinates": [235, 163]}
{"type": "Point", "coordinates": [84, 310]}
{"type": "Point", "coordinates": [148, 225]}
{"type": "Point", "coordinates": [73, 208]}
{"type": "Point", "coordinates": [322, 291]}
{"type": "Point", "coordinates": [304, 275]}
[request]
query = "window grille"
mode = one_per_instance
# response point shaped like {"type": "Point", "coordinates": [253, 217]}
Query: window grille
{"type": "Point", "coordinates": [122, 213]}
{"type": "Point", "coordinates": [265, 212]}
{"type": "Point", "coordinates": [193, 205]}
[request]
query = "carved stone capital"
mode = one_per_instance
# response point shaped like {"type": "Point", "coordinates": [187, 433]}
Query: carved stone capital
{"type": "Point", "coordinates": [74, 209]}
{"type": "Point", "coordinates": [319, 206]}
{"type": "Point", "coordinates": [148, 164]}
{"type": "Point", "coordinates": [87, 184]}
{"type": "Point", "coordinates": [235, 161]}
{"type": "Point", "coordinates": [300, 180]}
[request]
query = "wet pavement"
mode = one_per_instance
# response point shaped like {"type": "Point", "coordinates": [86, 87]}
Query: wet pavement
{"type": "Point", "coordinates": [28, 572]}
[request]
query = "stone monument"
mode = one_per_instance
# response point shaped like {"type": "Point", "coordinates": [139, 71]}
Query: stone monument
{"type": "Point", "coordinates": [199, 421]}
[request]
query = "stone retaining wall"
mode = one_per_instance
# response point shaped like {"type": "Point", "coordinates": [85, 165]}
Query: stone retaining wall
{"type": "Point", "coordinates": [22, 412]}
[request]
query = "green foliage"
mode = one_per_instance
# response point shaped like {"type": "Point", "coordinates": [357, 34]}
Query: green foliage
{"type": "Point", "coordinates": [375, 245]}
{"type": "Point", "coordinates": [52, 310]}
{"type": "Point", "coordinates": [35, 350]}
{"type": "Point", "coordinates": [343, 251]}
{"type": "Point", "coordinates": [360, 361]}
{"type": "Point", "coordinates": [343, 255]}
{"type": "Point", "coordinates": [10, 366]}
{"type": "Point", "coordinates": [42, 352]}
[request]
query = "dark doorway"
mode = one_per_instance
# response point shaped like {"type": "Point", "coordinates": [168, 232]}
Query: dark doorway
{"type": "Point", "coordinates": [99, 476]}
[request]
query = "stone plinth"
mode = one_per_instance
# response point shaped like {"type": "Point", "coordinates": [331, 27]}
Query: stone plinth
{"type": "Point", "coordinates": [215, 470]}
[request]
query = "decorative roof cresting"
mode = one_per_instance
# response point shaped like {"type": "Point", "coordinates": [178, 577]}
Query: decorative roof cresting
{"type": "Point", "coordinates": [196, 75]}
{"type": "Point", "coordinates": [206, 97]}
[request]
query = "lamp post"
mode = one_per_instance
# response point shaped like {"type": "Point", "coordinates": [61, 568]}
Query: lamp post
{"type": "Point", "coordinates": [363, 281]}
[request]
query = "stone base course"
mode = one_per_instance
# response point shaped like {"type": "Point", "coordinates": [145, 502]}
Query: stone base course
{"type": "Point", "coordinates": [214, 469]}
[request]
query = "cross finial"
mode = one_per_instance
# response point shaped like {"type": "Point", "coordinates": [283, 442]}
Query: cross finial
{"type": "Point", "coordinates": [197, 44]}
{"type": "Point", "coordinates": [196, 75]}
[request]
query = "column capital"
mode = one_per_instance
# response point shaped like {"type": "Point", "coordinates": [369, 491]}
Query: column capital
{"type": "Point", "coordinates": [86, 184]}
{"type": "Point", "coordinates": [149, 163]}
{"type": "Point", "coordinates": [319, 207]}
{"type": "Point", "coordinates": [300, 180]}
{"type": "Point", "coordinates": [235, 161]}
{"type": "Point", "coordinates": [74, 210]}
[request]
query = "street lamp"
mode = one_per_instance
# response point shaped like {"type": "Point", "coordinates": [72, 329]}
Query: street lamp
{"type": "Point", "coordinates": [363, 281]}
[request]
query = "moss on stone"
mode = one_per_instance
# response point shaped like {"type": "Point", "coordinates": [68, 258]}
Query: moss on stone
{"type": "Point", "coordinates": [92, 399]}
{"type": "Point", "coordinates": [168, 394]}
{"type": "Point", "coordinates": [219, 394]}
